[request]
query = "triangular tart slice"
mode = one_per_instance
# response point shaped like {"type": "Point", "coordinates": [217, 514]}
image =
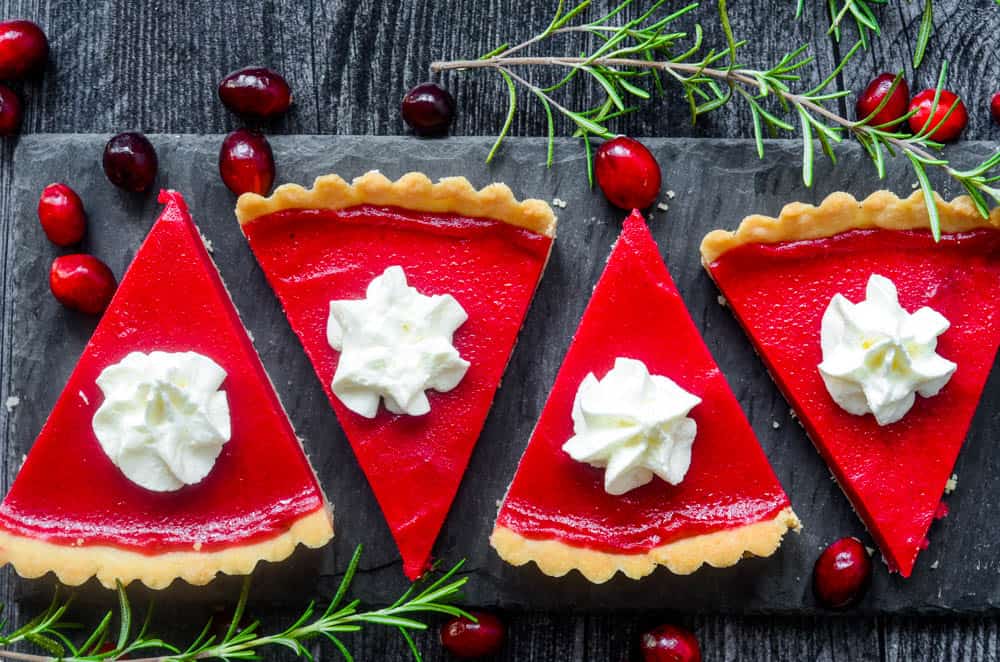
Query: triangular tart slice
{"type": "Point", "coordinates": [780, 275]}
{"type": "Point", "coordinates": [408, 297]}
{"type": "Point", "coordinates": [559, 511]}
{"type": "Point", "coordinates": [73, 511]}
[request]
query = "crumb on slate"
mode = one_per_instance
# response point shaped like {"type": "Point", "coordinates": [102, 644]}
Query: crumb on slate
{"type": "Point", "coordinates": [934, 566]}
{"type": "Point", "coordinates": [558, 202]}
{"type": "Point", "coordinates": [870, 550]}
{"type": "Point", "coordinates": [12, 402]}
{"type": "Point", "coordinates": [722, 300]}
{"type": "Point", "coordinates": [775, 425]}
{"type": "Point", "coordinates": [952, 483]}
{"type": "Point", "coordinates": [671, 194]}
{"type": "Point", "coordinates": [208, 243]}
{"type": "Point", "coordinates": [663, 206]}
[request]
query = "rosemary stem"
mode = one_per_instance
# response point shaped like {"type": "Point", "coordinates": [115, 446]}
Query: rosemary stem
{"type": "Point", "coordinates": [741, 76]}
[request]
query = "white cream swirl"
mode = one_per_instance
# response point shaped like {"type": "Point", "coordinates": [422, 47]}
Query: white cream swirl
{"type": "Point", "coordinates": [634, 425]}
{"type": "Point", "coordinates": [394, 345]}
{"type": "Point", "coordinates": [877, 356]}
{"type": "Point", "coordinates": [164, 420]}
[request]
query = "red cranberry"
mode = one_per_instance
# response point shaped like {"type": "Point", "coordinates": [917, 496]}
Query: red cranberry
{"type": "Point", "coordinates": [256, 92]}
{"type": "Point", "coordinates": [246, 162]}
{"type": "Point", "coordinates": [842, 573]}
{"type": "Point", "coordinates": [82, 282]}
{"type": "Point", "coordinates": [130, 162]}
{"type": "Point", "coordinates": [669, 643]}
{"type": "Point", "coordinates": [428, 109]}
{"type": "Point", "coordinates": [628, 173]}
{"type": "Point", "coordinates": [10, 111]}
{"type": "Point", "coordinates": [61, 213]}
{"type": "Point", "coordinates": [873, 95]}
{"type": "Point", "coordinates": [995, 107]}
{"type": "Point", "coordinates": [950, 128]}
{"type": "Point", "coordinates": [468, 640]}
{"type": "Point", "coordinates": [23, 49]}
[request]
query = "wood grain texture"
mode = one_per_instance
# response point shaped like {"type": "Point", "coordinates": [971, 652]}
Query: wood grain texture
{"type": "Point", "coordinates": [154, 66]}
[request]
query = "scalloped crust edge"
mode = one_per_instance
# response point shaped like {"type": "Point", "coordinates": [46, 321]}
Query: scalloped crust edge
{"type": "Point", "coordinates": [73, 565]}
{"type": "Point", "coordinates": [413, 190]}
{"type": "Point", "coordinates": [841, 212]}
{"type": "Point", "coordinates": [720, 549]}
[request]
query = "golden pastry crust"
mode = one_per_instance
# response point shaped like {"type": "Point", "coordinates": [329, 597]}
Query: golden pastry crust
{"type": "Point", "coordinates": [413, 190]}
{"type": "Point", "coordinates": [74, 565]}
{"type": "Point", "coordinates": [720, 549]}
{"type": "Point", "coordinates": [841, 212]}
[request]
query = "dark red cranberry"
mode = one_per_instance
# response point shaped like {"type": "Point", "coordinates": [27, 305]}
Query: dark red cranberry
{"type": "Point", "coordinates": [873, 95]}
{"type": "Point", "coordinates": [669, 643]}
{"type": "Point", "coordinates": [82, 282]}
{"type": "Point", "coordinates": [246, 162]}
{"type": "Point", "coordinates": [428, 108]}
{"type": "Point", "coordinates": [950, 129]}
{"type": "Point", "coordinates": [256, 92]}
{"type": "Point", "coordinates": [995, 107]}
{"type": "Point", "coordinates": [130, 161]}
{"type": "Point", "coordinates": [842, 573]}
{"type": "Point", "coordinates": [10, 111]}
{"type": "Point", "coordinates": [628, 173]}
{"type": "Point", "coordinates": [61, 214]}
{"type": "Point", "coordinates": [468, 640]}
{"type": "Point", "coordinates": [23, 49]}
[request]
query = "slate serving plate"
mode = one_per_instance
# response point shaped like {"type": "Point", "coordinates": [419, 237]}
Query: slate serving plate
{"type": "Point", "coordinates": [715, 184]}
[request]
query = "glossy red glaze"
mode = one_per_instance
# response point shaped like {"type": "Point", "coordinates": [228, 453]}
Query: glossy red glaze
{"type": "Point", "coordinates": [473, 639]}
{"type": "Point", "coordinates": [949, 129]}
{"type": "Point", "coordinates": [872, 96]}
{"type": "Point", "coordinates": [11, 111]}
{"type": "Point", "coordinates": [893, 475]}
{"type": "Point", "coordinates": [171, 299]}
{"type": "Point", "coordinates": [669, 643]}
{"type": "Point", "coordinates": [428, 108]}
{"type": "Point", "coordinates": [61, 213]}
{"type": "Point", "coordinates": [24, 49]}
{"type": "Point", "coordinates": [246, 163]}
{"type": "Point", "coordinates": [637, 312]}
{"type": "Point", "coordinates": [311, 257]}
{"type": "Point", "coordinates": [130, 162]}
{"type": "Point", "coordinates": [256, 92]}
{"type": "Point", "coordinates": [842, 573]}
{"type": "Point", "coordinates": [82, 282]}
{"type": "Point", "coordinates": [995, 107]}
{"type": "Point", "coordinates": [627, 173]}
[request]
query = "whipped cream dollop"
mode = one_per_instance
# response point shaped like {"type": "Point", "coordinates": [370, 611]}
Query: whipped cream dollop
{"type": "Point", "coordinates": [394, 345]}
{"type": "Point", "coordinates": [877, 356]}
{"type": "Point", "coordinates": [164, 420]}
{"type": "Point", "coordinates": [634, 425]}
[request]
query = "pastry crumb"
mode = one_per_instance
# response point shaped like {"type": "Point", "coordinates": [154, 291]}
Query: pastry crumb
{"type": "Point", "coordinates": [952, 483]}
{"type": "Point", "coordinates": [209, 246]}
{"type": "Point", "coordinates": [722, 300]}
{"type": "Point", "coordinates": [559, 202]}
{"type": "Point", "coordinates": [915, 185]}
{"type": "Point", "coordinates": [250, 336]}
{"type": "Point", "coordinates": [791, 412]}
{"type": "Point", "coordinates": [83, 396]}
{"type": "Point", "coordinates": [775, 425]}
{"type": "Point", "coordinates": [671, 194]}
{"type": "Point", "coordinates": [12, 402]}
{"type": "Point", "coordinates": [934, 566]}
{"type": "Point", "coordinates": [870, 550]}
{"type": "Point", "coordinates": [663, 206]}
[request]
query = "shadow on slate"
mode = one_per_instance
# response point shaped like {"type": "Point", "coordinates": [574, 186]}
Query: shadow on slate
{"type": "Point", "coordinates": [716, 183]}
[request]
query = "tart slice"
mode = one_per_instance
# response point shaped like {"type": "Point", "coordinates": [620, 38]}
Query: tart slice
{"type": "Point", "coordinates": [168, 454]}
{"type": "Point", "coordinates": [407, 297]}
{"type": "Point", "coordinates": [880, 338]}
{"type": "Point", "coordinates": [642, 455]}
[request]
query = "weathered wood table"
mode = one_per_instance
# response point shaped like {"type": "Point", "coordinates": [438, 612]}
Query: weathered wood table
{"type": "Point", "coordinates": [154, 66]}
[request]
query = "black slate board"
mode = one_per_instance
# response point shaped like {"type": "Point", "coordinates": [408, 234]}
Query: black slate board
{"type": "Point", "coordinates": [716, 183]}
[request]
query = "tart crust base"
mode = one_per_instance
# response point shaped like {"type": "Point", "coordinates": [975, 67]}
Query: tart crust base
{"type": "Point", "coordinates": [414, 191]}
{"type": "Point", "coordinates": [841, 212]}
{"type": "Point", "coordinates": [32, 558]}
{"type": "Point", "coordinates": [720, 549]}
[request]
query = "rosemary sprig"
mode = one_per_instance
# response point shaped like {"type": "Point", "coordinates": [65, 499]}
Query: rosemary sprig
{"type": "Point", "coordinates": [862, 12]}
{"type": "Point", "coordinates": [47, 631]}
{"type": "Point", "coordinates": [630, 60]}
